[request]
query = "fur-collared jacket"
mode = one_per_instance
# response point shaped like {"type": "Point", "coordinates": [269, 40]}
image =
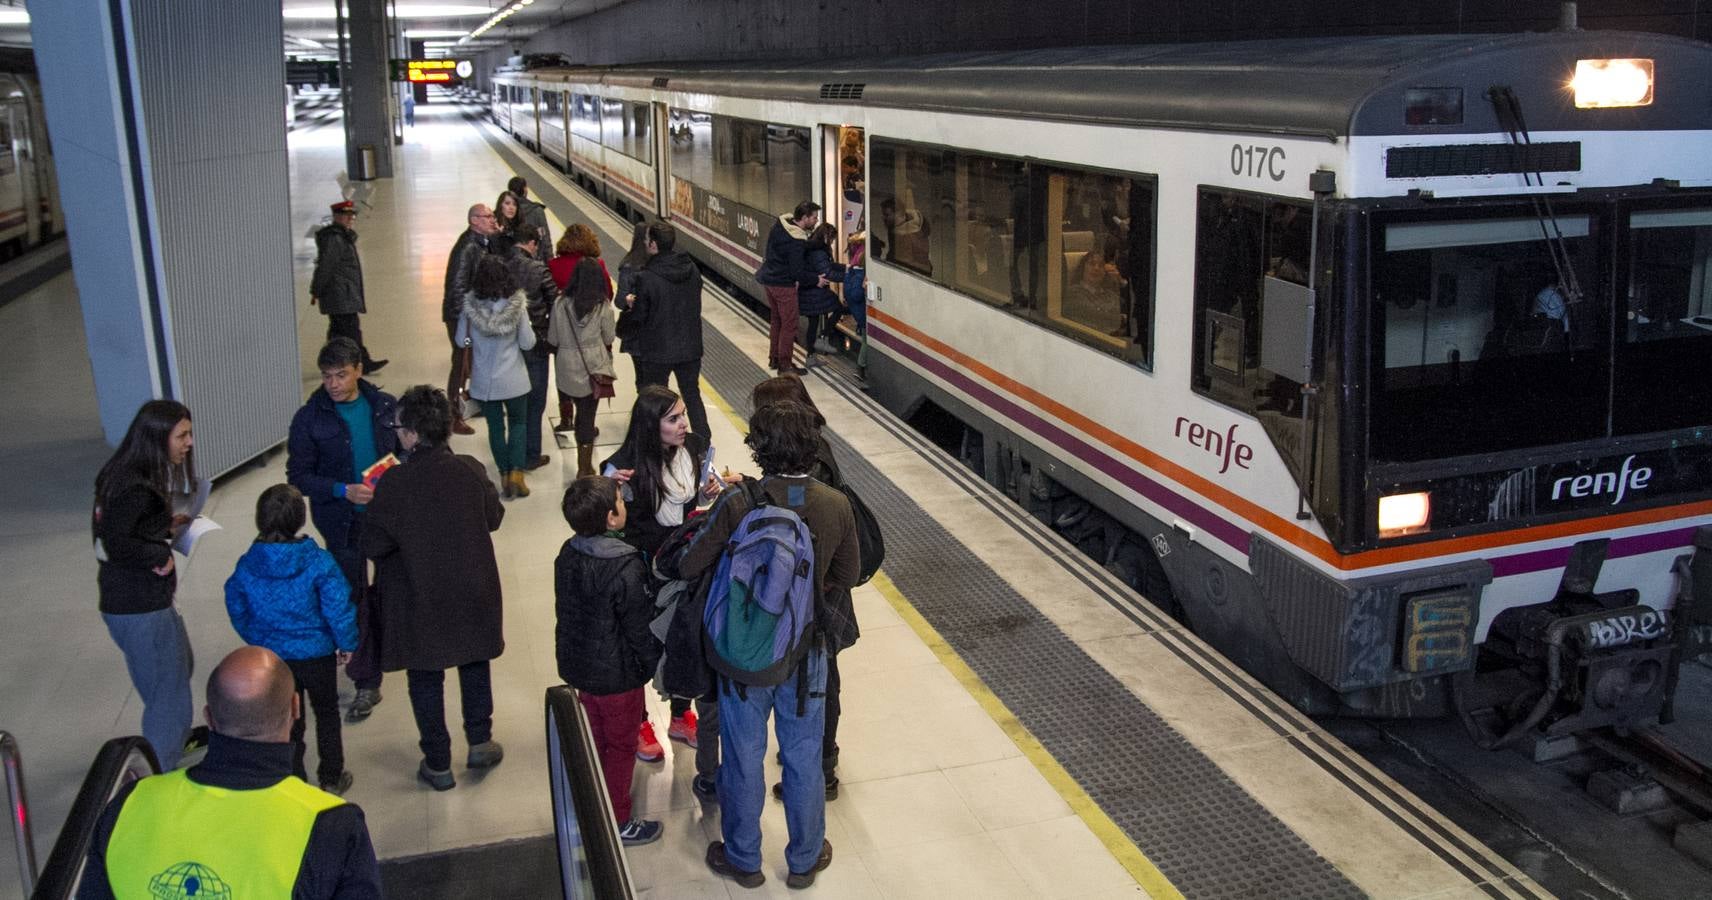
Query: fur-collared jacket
{"type": "Point", "coordinates": [498, 331]}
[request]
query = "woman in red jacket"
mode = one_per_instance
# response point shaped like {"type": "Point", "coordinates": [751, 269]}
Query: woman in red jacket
{"type": "Point", "coordinates": [577, 242]}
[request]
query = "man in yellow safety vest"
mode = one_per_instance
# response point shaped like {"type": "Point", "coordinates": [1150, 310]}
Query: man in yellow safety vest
{"type": "Point", "coordinates": [238, 824]}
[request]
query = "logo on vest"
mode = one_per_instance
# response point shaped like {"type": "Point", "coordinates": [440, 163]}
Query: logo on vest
{"type": "Point", "coordinates": [189, 881]}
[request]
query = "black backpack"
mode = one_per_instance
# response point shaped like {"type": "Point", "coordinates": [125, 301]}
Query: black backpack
{"type": "Point", "coordinates": [868, 536]}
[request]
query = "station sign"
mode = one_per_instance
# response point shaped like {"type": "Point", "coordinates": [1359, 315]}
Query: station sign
{"type": "Point", "coordinates": [432, 71]}
{"type": "Point", "coordinates": [311, 73]}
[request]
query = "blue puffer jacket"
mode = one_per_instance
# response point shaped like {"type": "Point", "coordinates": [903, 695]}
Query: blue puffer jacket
{"type": "Point", "coordinates": [292, 599]}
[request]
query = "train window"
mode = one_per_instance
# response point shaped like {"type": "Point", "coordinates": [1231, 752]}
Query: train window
{"type": "Point", "coordinates": [625, 128]}
{"type": "Point", "coordinates": [766, 167]}
{"type": "Point", "coordinates": [1241, 240]}
{"type": "Point", "coordinates": [1069, 249]}
{"type": "Point", "coordinates": [1487, 335]}
{"type": "Point", "coordinates": [637, 131]}
{"type": "Point", "coordinates": [585, 117]}
{"type": "Point", "coordinates": [553, 109]}
{"type": "Point", "coordinates": [1662, 381]}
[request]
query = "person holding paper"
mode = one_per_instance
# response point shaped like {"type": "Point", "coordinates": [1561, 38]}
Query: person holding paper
{"type": "Point", "coordinates": [133, 523]}
{"type": "Point", "coordinates": [341, 432]}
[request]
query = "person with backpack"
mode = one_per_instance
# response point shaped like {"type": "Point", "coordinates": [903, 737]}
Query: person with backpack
{"type": "Point", "coordinates": [766, 638]}
{"type": "Point", "coordinates": [290, 596]}
{"type": "Point", "coordinates": [604, 647]}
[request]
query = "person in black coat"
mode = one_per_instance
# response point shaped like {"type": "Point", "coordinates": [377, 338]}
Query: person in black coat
{"type": "Point", "coordinates": [475, 242]}
{"type": "Point", "coordinates": [243, 781]}
{"type": "Point", "coordinates": [817, 302]}
{"type": "Point", "coordinates": [539, 291]}
{"type": "Point", "coordinates": [437, 582]}
{"type": "Point", "coordinates": [337, 285]}
{"type": "Point", "coordinates": [662, 324]}
{"type": "Point", "coordinates": [343, 429]}
{"type": "Point", "coordinates": [605, 649]}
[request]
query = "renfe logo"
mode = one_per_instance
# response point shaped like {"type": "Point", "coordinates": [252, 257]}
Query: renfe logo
{"type": "Point", "coordinates": [1619, 482]}
{"type": "Point", "coordinates": [1223, 446]}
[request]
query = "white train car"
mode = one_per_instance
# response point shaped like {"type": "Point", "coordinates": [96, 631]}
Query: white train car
{"type": "Point", "coordinates": [29, 188]}
{"type": "Point", "coordinates": [1381, 362]}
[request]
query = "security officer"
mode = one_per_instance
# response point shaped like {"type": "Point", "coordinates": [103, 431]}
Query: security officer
{"type": "Point", "coordinates": [238, 824]}
{"type": "Point", "coordinates": [337, 286]}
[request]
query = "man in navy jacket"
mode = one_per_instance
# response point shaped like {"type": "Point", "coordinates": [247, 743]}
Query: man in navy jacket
{"type": "Point", "coordinates": [343, 429]}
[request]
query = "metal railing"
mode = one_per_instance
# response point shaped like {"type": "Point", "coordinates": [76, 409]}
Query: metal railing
{"type": "Point", "coordinates": [21, 836]}
{"type": "Point", "coordinates": [591, 857]}
{"type": "Point", "coordinates": [120, 762]}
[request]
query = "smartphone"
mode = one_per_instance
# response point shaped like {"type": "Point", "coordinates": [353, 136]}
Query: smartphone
{"type": "Point", "coordinates": [707, 466]}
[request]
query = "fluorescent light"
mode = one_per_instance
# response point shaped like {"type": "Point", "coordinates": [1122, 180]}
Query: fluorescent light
{"type": "Point", "coordinates": [14, 17]}
{"type": "Point", "coordinates": [433, 33]}
{"type": "Point", "coordinates": [405, 11]}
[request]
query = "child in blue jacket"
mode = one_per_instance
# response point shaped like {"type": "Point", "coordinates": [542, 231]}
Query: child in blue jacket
{"type": "Point", "coordinates": [289, 596]}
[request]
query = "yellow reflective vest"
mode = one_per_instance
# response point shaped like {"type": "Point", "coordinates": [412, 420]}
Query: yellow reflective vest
{"type": "Point", "coordinates": [177, 839]}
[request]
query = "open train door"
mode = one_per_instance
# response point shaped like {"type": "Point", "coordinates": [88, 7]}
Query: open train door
{"type": "Point", "coordinates": [843, 164]}
{"type": "Point", "coordinates": [662, 162]}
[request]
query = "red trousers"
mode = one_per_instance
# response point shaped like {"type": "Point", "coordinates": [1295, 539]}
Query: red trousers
{"type": "Point", "coordinates": [613, 721]}
{"type": "Point", "coordinates": [782, 332]}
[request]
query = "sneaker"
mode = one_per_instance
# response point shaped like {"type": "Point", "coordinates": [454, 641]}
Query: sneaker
{"type": "Point", "coordinates": [800, 880]}
{"type": "Point", "coordinates": [704, 789]}
{"type": "Point", "coordinates": [683, 728]}
{"type": "Point", "coordinates": [831, 789]}
{"type": "Point", "coordinates": [367, 699]}
{"type": "Point", "coordinates": [822, 345]}
{"type": "Point", "coordinates": [438, 780]}
{"type": "Point", "coordinates": [722, 867]}
{"type": "Point", "coordinates": [648, 747]}
{"type": "Point", "coordinates": [485, 755]}
{"type": "Point", "coordinates": [813, 361]}
{"type": "Point", "coordinates": [637, 832]}
{"type": "Point", "coordinates": [798, 371]}
{"type": "Point", "coordinates": [339, 787]}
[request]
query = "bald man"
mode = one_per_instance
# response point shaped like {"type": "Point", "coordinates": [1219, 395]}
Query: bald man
{"type": "Point", "coordinates": [467, 252]}
{"type": "Point", "coordinates": [237, 824]}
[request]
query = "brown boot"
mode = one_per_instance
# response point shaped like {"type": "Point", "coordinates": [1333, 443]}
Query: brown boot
{"type": "Point", "coordinates": [506, 489]}
{"type": "Point", "coordinates": [459, 426]}
{"type": "Point", "coordinates": [567, 412]}
{"type": "Point", "coordinates": [585, 460]}
{"type": "Point", "coordinates": [519, 488]}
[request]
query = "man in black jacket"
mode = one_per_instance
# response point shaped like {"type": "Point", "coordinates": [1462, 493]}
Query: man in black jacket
{"type": "Point", "coordinates": [662, 326]}
{"type": "Point", "coordinates": [467, 252]}
{"type": "Point", "coordinates": [529, 212]}
{"type": "Point", "coordinates": [238, 824]}
{"type": "Point", "coordinates": [540, 290]}
{"type": "Point", "coordinates": [782, 271]}
{"type": "Point", "coordinates": [605, 649]}
{"type": "Point", "coordinates": [344, 428]}
{"type": "Point", "coordinates": [337, 286]}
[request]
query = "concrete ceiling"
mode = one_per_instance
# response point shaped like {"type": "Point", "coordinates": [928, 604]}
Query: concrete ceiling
{"type": "Point", "coordinates": [446, 25]}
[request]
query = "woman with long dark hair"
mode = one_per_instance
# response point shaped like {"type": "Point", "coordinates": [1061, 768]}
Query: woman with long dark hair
{"type": "Point", "coordinates": [582, 328]}
{"type": "Point", "coordinates": [495, 324]}
{"type": "Point", "coordinates": [659, 466]}
{"type": "Point", "coordinates": [132, 522]}
{"type": "Point", "coordinates": [505, 214]}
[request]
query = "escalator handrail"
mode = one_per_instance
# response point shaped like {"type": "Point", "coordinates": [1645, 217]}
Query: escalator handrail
{"type": "Point", "coordinates": [13, 758]}
{"type": "Point", "coordinates": [578, 761]}
{"type": "Point", "coordinates": [120, 762]}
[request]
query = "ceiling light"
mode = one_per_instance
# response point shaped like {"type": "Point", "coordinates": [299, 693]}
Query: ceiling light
{"type": "Point", "coordinates": [14, 17]}
{"type": "Point", "coordinates": [433, 33]}
{"type": "Point", "coordinates": [405, 11]}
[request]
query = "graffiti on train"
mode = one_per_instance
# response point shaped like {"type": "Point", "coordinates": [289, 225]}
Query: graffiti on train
{"type": "Point", "coordinates": [1618, 631]}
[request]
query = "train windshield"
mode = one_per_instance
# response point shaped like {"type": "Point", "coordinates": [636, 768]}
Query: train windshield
{"type": "Point", "coordinates": [1507, 329]}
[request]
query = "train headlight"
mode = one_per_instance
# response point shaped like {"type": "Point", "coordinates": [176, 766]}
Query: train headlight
{"type": "Point", "coordinates": [1609, 83]}
{"type": "Point", "coordinates": [1401, 514]}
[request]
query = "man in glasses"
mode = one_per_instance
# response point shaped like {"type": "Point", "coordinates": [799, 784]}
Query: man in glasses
{"type": "Point", "coordinates": [471, 246]}
{"type": "Point", "coordinates": [344, 428]}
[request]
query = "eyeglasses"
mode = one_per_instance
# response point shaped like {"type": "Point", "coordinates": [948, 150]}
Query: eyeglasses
{"type": "Point", "coordinates": [486, 216]}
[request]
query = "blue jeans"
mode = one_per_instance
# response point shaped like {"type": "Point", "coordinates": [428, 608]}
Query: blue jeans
{"type": "Point", "coordinates": [743, 781]}
{"type": "Point", "coordinates": [535, 360]}
{"type": "Point", "coordinates": [157, 654]}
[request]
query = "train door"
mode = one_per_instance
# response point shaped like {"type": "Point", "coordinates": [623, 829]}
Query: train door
{"type": "Point", "coordinates": [15, 218]}
{"type": "Point", "coordinates": [661, 136]}
{"type": "Point", "coordinates": [843, 168]}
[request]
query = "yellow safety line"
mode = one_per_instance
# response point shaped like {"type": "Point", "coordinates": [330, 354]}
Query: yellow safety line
{"type": "Point", "coordinates": [1117, 843]}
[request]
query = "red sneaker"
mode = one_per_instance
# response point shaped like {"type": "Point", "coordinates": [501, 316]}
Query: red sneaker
{"type": "Point", "coordinates": [648, 747]}
{"type": "Point", "coordinates": [683, 728]}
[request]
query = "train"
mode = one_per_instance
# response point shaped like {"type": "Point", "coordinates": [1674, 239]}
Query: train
{"type": "Point", "coordinates": [30, 211]}
{"type": "Point", "coordinates": [1379, 362]}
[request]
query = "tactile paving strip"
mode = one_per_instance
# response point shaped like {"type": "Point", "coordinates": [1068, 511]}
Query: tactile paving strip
{"type": "Point", "coordinates": [1206, 834]}
{"type": "Point", "coordinates": [1203, 832]}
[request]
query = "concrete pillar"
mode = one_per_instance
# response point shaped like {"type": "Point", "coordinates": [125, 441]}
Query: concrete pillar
{"type": "Point", "coordinates": [168, 127]}
{"type": "Point", "coordinates": [367, 92]}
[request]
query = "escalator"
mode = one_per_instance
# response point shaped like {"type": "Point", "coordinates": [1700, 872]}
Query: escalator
{"type": "Point", "coordinates": [582, 860]}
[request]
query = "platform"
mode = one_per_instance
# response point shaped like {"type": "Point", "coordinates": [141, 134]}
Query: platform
{"type": "Point", "coordinates": [1017, 723]}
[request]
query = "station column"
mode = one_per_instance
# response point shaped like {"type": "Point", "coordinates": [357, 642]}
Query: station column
{"type": "Point", "coordinates": [367, 89]}
{"type": "Point", "coordinates": [168, 126]}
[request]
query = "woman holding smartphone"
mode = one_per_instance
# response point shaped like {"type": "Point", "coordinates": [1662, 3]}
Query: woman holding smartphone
{"type": "Point", "coordinates": [660, 465]}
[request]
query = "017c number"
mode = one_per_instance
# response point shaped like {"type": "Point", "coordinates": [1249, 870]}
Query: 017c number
{"type": "Point", "coordinates": [1257, 160]}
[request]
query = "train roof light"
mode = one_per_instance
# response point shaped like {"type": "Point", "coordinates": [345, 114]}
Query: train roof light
{"type": "Point", "coordinates": [1401, 514]}
{"type": "Point", "coordinates": [1612, 83]}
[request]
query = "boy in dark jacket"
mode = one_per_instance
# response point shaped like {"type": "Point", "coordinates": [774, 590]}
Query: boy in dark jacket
{"type": "Point", "coordinates": [288, 595]}
{"type": "Point", "coordinates": [605, 649]}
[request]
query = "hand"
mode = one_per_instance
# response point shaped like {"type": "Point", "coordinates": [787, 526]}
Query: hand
{"type": "Point", "coordinates": [311, 299]}
{"type": "Point", "coordinates": [622, 476]}
{"type": "Point", "coordinates": [823, 282]}
{"type": "Point", "coordinates": [341, 657]}
{"type": "Point", "coordinates": [713, 487]}
{"type": "Point", "coordinates": [360, 494]}
{"type": "Point", "coordinates": [165, 569]}
{"type": "Point", "coordinates": [179, 520]}
{"type": "Point", "coordinates": [730, 478]}
{"type": "Point", "coordinates": [630, 301]}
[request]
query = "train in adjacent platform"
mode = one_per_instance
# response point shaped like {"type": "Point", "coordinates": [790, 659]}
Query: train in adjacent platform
{"type": "Point", "coordinates": [29, 187]}
{"type": "Point", "coordinates": [1383, 362]}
